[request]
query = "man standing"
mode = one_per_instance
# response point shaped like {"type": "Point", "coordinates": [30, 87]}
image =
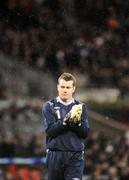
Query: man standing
{"type": "Point", "coordinates": [66, 126]}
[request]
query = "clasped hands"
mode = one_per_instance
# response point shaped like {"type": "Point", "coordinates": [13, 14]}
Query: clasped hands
{"type": "Point", "coordinates": [74, 116]}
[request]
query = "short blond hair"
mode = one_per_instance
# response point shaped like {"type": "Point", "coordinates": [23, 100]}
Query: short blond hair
{"type": "Point", "coordinates": [67, 77]}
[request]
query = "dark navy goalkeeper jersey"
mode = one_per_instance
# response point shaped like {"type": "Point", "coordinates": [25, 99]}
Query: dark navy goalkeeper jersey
{"type": "Point", "coordinates": [63, 137]}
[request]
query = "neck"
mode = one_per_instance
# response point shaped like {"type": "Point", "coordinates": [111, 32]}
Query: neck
{"type": "Point", "coordinates": [65, 101]}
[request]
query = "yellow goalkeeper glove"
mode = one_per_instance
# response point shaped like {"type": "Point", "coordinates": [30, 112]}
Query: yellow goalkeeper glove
{"type": "Point", "coordinates": [75, 114]}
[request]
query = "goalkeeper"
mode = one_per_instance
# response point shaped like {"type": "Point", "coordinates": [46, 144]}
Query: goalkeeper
{"type": "Point", "coordinates": [66, 125]}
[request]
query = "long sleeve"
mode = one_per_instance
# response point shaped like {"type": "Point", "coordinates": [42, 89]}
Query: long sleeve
{"type": "Point", "coordinates": [53, 126]}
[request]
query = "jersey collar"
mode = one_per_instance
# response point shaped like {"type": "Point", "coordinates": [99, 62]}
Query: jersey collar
{"type": "Point", "coordinates": [65, 103]}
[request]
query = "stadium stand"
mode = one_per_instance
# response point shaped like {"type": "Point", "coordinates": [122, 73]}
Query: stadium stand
{"type": "Point", "coordinates": [22, 143]}
{"type": "Point", "coordinates": [39, 39]}
{"type": "Point", "coordinates": [42, 36]}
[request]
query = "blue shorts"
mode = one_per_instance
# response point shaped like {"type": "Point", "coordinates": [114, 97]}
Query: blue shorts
{"type": "Point", "coordinates": [63, 165]}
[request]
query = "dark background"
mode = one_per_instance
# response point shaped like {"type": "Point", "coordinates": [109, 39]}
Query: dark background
{"type": "Point", "coordinates": [40, 39]}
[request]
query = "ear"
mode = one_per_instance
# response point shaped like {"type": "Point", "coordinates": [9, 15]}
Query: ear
{"type": "Point", "coordinates": [74, 89]}
{"type": "Point", "coordinates": [57, 86]}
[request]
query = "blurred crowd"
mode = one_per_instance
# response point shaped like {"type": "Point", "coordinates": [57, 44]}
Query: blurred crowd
{"type": "Point", "coordinates": [107, 157]}
{"type": "Point", "coordinates": [88, 37]}
{"type": "Point", "coordinates": [104, 158]}
{"type": "Point", "coordinates": [22, 135]}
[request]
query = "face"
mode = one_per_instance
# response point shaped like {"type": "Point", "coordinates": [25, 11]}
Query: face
{"type": "Point", "coordinates": [65, 90]}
